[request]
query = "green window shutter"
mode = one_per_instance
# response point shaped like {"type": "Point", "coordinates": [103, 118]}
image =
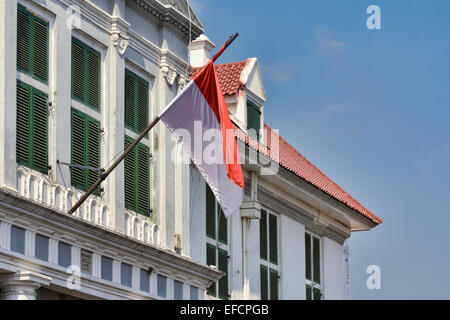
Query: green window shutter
{"type": "Point", "coordinates": [129, 101]}
{"type": "Point", "coordinates": [142, 106]}
{"type": "Point", "coordinates": [143, 178]}
{"type": "Point", "coordinates": [253, 120]}
{"type": "Point", "coordinates": [23, 124]}
{"type": "Point", "coordinates": [78, 149]}
{"type": "Point", "coordinates": [316, 260]}
{"type": "Point", "coordinates": [264, 283]}
{"type": "Point", "coordinates": [40, 49]}
{"type": "Point", "coordinates": [308, 293]}
{"type": "Point", "coordinates": [23, 39]}
{"type": "Point", "coordinates": [273, 239]}
{"type": "Point", "coordinates": [211, 261]}
{"type": "Point", "coordinates": [78, 70]}
{"type": "Point", "coordinates": [223, 227]}
{"type": "Point", "coordinates": [130, 183]}
{"type": "Point", "coordinates": [308, 256]}
{"type": "Point", "coordinates": [273, 284]}
{"type": "Point", "coordinates": [94, 79]}
{"type": "Point", "coordinates": [263, 235]}
{"type": "Point", "coordinates": [223, 282]}
{"type": "Point", "coordinates": [210, 213]}
{"type": "Point", "coordinates": [40, 131]}
{"type": "Point", "coordinates": [93, 152]}
{"type": "Point", "coordinates": [317, 295]}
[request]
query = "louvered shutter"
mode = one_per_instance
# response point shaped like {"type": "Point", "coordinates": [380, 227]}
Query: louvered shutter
{"type": "Point", "coordinates": [273, 284]}
{"type": "Point", "coordinates": [273, 239]}
{"type": "Point", "coordinates": [40, 130]}
{"type": "Point", "coordinates": [23, 39]}
{"type": "Point", "coordinates": [40, 49]}
{"type": "Point", "coordinates": [223, 227]}
{"type": "Point", "coordinates": [210, 213]}
{"type": "Point", "coordinates": [223, 282]}
{"type": "Point", "coordinates": [211, 261]}
{"type": "Point", "coordinates": [129, 101]}
{"type": "Point", "coordinates": [143, 177]}
{"type": "Point", "coordinates": [264, 283]}
{"type": "Point", "coordinates": [78, 70]}
{"type": "Point", "coordinates": [142, 106]}
{"type": "Point", "coordinates": [130, 185]}
{"type": "Point", "coordinates": [23, 124]}
{"type": "Point", "coordinates": [253, 120]}
{"type": "Point", "coordinates": [308, 256]}
{"type": "Point", "coordinates": [93, 152]}
{"type": "Point", "coordinates": [78, 149]}
{"type": "Point", "coordinates": [316, 260]}
{"type": "Point", "coordinates": [317, 294]}
{"type": "Point", "coordinates": [94, 78]}
{"type": "Point", "coordinates": [263, 235]}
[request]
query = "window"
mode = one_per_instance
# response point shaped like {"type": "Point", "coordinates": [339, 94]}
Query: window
{"type": "Point", "coordinates": [313, 269]}
{"type": "Point", "coordinates": [86, 261]}
{"type": "Point", "coordinates": [137, 178]}
{"type": "Point", "coordinates": [32, 44]}
{"type": "Point", "coordinates": [64, 254]}
{"type": "Point", "coordinates": [85, 150]}
{"type": "Point", "coordinates": [162, 286]}
{"type": "Point", "coordinates": [253, 120]}
{"type": "Point", "coordinates": [32, 127]}
{"type": "Point", "coordinates": [136, 102]}
{"type": "Point", "coordinates": [268, 230]}
{"type": "Point", "coordinates": [86, 74]}
{"type": "Point", "coordinates": [41, 247]}
{"type": "Point", "coordinates": [125, 274]}
{"type": "Point", "coordinates": [107, 265]}
{"type": "Point", "coordinates": [18, 239]}
{"type": "Point", "coordinates": [193, 293]}
{"type": "Point", "coordinates": [145, 281]}
{"type": "Point", "coordinates": [177, 290]}
{"type": "Point", "coordinates": [217, 244]}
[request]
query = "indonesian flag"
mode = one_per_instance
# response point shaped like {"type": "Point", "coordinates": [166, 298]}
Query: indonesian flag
{"type": "Point", "coordinates": [198, 117]}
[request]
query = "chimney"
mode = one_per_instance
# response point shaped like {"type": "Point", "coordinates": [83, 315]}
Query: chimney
{"type": "Point", "coordinates": [200, 50]}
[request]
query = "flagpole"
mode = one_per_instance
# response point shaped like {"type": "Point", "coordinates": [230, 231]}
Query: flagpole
{"type": "Point", "coordinates": [138, 139]}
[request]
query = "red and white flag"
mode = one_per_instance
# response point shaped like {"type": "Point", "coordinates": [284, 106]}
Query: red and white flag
{"type": "Point", "coordinates": [201, 113]}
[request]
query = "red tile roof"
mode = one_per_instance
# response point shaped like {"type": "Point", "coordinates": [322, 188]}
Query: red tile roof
{"type": "Point", "coordinates": [229, 75]}
{"type": "Point", "coordinates": [292, 160]}
{"type": "Point", "coordinates": [288, 157]}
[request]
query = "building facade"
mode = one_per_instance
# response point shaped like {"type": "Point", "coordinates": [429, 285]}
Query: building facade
{"type": "Point", "coordinates": [79, 80]}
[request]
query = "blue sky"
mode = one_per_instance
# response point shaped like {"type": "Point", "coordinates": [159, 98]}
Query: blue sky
{"type": "Point", "coordinates": [370, 108]}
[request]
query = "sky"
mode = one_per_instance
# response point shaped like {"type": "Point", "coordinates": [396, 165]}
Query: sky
{"type": "Point", "coordinates": [371, 109]}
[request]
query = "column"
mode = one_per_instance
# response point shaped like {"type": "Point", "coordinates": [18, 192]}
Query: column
{"type": "Point", "coordinates": [5, 235]}
{"type": "Point", "coordinates": [136, 278]}
{"type": "Point", "coordinates": [30, 238]}
{"type": "Point", "coordinates": [96, 265]}
{"type": "Point", "coordinates": [114, 113]}
{"type": "Point", "coordinates": [116, 271]}
{"type": "Point", "coordinates": [53, 251]}
{"type": "Point", "coordinates": [8, 65]}
{"type": "Point", "coordinates": [21, 285]}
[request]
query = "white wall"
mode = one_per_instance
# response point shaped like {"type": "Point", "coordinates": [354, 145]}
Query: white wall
{"type": "Point", "coordinates": [332, 270]}
{"type": "Point", "coordinates": [292, 247]}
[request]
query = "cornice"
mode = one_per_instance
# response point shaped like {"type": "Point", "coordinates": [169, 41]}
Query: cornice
{"type": "Point", "coordinates": [27, 213]}
{"type": "Point", "coordinates": [170, 17]}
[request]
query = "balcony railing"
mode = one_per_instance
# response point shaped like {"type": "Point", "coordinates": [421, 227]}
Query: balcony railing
{"type": "Point", "coordinates": [37, 187]}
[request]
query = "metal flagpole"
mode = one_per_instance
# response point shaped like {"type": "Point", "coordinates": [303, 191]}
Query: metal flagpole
{"type": "Point", "coordinates": [138, 139]}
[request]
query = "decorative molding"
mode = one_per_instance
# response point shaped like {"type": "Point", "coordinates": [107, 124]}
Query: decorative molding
{"type": "Point", "coordinates": [120, 41]}
{"type": "Point", "coordinates": [169, 73]}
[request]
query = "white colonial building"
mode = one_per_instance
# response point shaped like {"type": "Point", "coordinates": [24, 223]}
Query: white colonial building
{"type": "Point", "coordinates": [79, 79]}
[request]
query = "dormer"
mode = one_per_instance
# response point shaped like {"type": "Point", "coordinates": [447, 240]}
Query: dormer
{"type": "Point", "coordinates": [241, 85]}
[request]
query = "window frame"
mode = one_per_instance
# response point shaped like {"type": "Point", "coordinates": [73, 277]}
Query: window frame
{"type": "Point", "coordinates": [32, 91]}
{"type": "Point", "coordinates": [257, 109]}
{"type": "Point", "coordinates": [311, 283]}
{"type": "Point", "coordinates": [267, 263]}
{"type": "Point", "coordinates": [33, 17]}
{"type": "Point", "coordinates": [219, 246]}
{"type": "Point", "coordinates": [86, 50]}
